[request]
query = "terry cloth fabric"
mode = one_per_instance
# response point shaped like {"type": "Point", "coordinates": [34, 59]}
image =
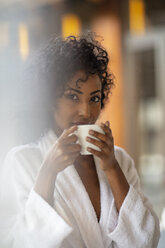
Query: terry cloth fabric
{"type": "Point", "coordinates": [28, 221]}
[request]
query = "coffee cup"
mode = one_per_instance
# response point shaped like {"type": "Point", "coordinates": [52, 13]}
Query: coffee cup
{"type": "Point", "coordinates": [82, 132]}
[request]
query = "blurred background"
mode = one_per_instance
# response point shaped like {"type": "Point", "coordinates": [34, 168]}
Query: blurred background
{"type": "Point", "coordinates": [133, 33]}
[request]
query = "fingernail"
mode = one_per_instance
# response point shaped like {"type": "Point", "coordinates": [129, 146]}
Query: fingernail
{"type": "Point", "coordinates": [107, 123]}
{"type": "Point", "coordinates": [91, 132]}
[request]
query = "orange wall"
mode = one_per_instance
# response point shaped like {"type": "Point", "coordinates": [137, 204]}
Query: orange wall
{"type": "Point", "coordinates": [109, 28]}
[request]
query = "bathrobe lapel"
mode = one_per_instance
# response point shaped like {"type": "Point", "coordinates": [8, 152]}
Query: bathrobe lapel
{"type": "Point", "coordinates": [77, 200]}
{"type": "Point", "coordinates": [72, 190]}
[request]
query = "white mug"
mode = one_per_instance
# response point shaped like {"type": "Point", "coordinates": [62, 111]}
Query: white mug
{"type": "Point", "coordinates": [82, 133]}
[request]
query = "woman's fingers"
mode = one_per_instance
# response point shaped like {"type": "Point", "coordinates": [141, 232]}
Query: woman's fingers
{"type": "Point", "coordinates": [106, 128]}
{"type": "Point", "coordinates": [67, 148]}
{"type": "Point", "coordinates": [70, 148]}
{"type": "Point", "coordinates": [103, 141]}
{"type": "Point", "coordinates": [95, 142]}
{"type": "Point", "coordinates": [104, 137]}
{"type": "Point", "coordinates": [68, 136]}
{"type": "Point", "coordinates": [63, 150]}
{"type": "Point", "coordinates": [95, 152]}
{"type": "Point", "coordinates": [97, 135]}
{"type": "Point", "coordinates": [100, 136]}
{"type": "Point", "coordinates": [107, 124]}
{"type": "Point", "coordinates": [66, 132]}
{"type": "Point", "coordinates": [69, 139]}
{"type": "Point", "coordinates": [70, 157]}
{"type": "Point", "coordinates": [67, 159]}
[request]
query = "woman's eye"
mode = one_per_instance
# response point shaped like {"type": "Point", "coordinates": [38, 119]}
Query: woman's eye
{"type": "Point", "coordinates": [95, 99]}
{"type": "Point", "coordinates": [72, 97]}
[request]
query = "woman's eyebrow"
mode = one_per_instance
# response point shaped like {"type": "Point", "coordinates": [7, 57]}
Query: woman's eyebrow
{"type": "Point", "coordinates": [95, 92]}
{"type": "Point", "coordinates": [78, 91]}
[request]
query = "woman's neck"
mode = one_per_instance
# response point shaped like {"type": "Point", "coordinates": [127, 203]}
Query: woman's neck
{"type": "Point", "coordinates": [85, 161]}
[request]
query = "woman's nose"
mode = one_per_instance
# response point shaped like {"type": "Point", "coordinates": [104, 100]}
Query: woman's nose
{"type": "Point", "coordinates": [84, 110]}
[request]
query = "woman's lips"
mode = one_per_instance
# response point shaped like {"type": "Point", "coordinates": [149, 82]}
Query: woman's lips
{"type": "Point", "coordinates": [81, 123]}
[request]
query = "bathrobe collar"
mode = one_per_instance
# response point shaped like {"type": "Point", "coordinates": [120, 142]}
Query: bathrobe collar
{"type": "Point", "coordinates": [82, 210]}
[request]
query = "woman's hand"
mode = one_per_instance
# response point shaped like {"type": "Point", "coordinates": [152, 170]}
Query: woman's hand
{"type": "Point", "coordinates": [109, 164]}
{"type": "Point", "coordinates": [64, 152]}
{"type": "Point", "coordinates": [106, 144]}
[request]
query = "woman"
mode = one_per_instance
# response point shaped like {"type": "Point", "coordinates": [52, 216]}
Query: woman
{"type": "Point", "coordinates": [60, 198]}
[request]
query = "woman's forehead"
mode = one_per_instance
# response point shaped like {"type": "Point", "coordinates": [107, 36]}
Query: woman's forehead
{"type": "Point", "coordinates": [81, 80]}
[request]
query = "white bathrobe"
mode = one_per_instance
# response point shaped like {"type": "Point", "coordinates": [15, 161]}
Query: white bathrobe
{"type": "Point", "coordinates": [28, 221]}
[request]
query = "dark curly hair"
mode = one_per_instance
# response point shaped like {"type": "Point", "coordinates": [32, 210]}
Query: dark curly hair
{"type": "Point", "coordinates": [47, 72]}
{"type": "Point", "coordinates": [58, 61]}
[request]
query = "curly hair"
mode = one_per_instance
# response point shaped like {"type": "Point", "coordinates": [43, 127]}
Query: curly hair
{"type": "Point", "coordinates": [58, 61]}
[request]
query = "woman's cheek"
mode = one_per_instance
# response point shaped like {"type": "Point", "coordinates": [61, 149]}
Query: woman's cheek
{"type": "Point", "coordinates": [96, 111]}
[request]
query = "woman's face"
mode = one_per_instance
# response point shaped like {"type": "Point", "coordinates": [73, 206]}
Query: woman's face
{"type": "Point", "coordinates": [80, 104]}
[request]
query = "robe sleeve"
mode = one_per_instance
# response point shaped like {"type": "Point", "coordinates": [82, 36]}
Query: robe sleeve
{"type": "Point", "coordinates": [27, 220]}
{"type": "Point", "coordinates": [136, 225]}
